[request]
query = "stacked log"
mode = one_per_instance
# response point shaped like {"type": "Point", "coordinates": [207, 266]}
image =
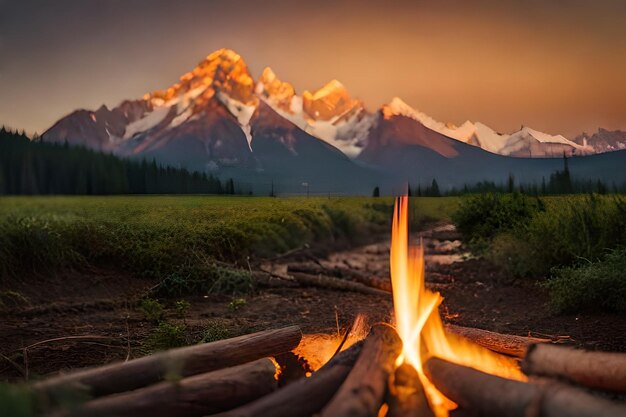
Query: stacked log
{"type": "Point", "coordinates": [506, 344]}
{"type": "Point", "coordinates": [185, 361]}
{"type": "Point", "coordinates": [239, 378]}
{"type": "Point", "coordinates": [598, 370]}
{"type": "Point", "coordinates": [489, 395]}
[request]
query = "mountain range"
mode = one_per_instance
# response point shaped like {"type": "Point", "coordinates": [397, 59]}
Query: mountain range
{"type": "Point", "coordinates": [218, 118]}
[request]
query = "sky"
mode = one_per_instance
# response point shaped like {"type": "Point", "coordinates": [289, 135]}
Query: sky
{"type": "Point", "coordinates": [558, 66]}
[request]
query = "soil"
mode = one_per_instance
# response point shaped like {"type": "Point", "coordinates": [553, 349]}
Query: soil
{"type": "Point", "coordinates": [84, 318]}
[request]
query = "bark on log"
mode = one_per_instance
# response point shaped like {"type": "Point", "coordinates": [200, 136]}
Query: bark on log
{"type": "Point", "coordinates": [489, 395]}
{"type": "Point", "coordinates": [322, 281]}
{"type": "Point", "coordinates": [198, 395]}
{"type": "Point", "coordinates": [305, 397]}
{"type": "Point", "coordinates": [600, 370]}
{"type": "Point", "coordinates": [185, 361]}
{"type": "Point", "coordinates": [507, 344]}
{"type": "Point", "coordinates": [406, 397]}
{"type": "Point", "coordinates": [363, 391]}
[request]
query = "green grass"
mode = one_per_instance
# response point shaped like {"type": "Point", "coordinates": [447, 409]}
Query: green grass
{"type": "Point", "coordinates": [182, 239]}
{"type": "Point", "coordinates": [561, 239]}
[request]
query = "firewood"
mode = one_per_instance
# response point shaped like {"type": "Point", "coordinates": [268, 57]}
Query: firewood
{"type": "Point", "coordinates": [406, 396]}
{"type": "Point", "coordinates": [507, 344]}
{"type": "Point", "coordinates": [600, 370]}
{"type": "Point", "coordinates": [488, 395]}
{"type": "Point", "coordinates": [363, 391]}
{"type": "Point", "coordinates": [185, 361]}
{"type": "Point", "coordinates": [322, 281]}
{"type": "Point", "coordinates": [198, 395]}
{"type": "Point", "coordinates": [305, 397]}
{"type": "Point", "coordinates": [351, 274]}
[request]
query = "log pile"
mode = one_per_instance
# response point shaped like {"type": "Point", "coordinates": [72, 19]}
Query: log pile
{"type": "Point", "coordinates": [239, 378]}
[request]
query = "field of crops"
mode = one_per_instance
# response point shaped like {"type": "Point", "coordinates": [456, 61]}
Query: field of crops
{"type": "Point", "coordinates": [161, 236]}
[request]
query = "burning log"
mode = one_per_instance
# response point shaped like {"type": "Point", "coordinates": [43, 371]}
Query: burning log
{"type": "Point", "coordinates": [322, 281]}
{"type": "Point", "coordinates": [502, 343]}
{"type": "Point", "coordinates": [406, 394]}
{"type": "Point", "coordinates": [601, 370]}
{"type": "Point", "coordinates": [363, 391]}
{"type": "Point", "coordinates": [489, 395]}
{"type": "Point", "coordinates": [185, 361]}
{"type": "Point", "coordinates": [305, 397]}
{"type": "Point", "coordinates": [198, 395]}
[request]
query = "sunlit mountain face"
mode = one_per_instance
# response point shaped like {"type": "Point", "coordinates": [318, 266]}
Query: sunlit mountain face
{"type": "Point", "coordinates": [329, 113]}
{"type": "Point", "coordinates": [218, 118]}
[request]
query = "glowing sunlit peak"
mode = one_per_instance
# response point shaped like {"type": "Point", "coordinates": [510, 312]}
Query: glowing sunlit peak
{"type": "Point", "coordinates": [418, 322]}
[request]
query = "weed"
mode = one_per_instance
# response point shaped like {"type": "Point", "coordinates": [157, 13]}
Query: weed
{"type": "Point", "coordinates": [12, 299]}
{"type": "Point", "coordinates": [182, 307]}
{"type": "Point", "coordinates": [237, 303]}
{"type": "Point", "coordinates": [152, 309]}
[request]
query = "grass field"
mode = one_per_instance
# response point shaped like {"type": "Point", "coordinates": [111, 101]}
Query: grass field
{"type": "Point", "coordinates": [179, 236]}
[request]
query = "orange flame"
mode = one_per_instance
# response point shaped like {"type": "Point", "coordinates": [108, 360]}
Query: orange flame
{"type": "Point", "coordinates": [418, 322]}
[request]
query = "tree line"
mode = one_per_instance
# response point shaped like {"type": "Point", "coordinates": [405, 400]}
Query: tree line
{"type": "Point", "coordinates": [37, 167]}
{"type": "Point", "coordinates": [560, 182]}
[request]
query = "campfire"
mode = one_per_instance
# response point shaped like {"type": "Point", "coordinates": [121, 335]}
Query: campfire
{"type": "Point", "coordinates": [415, 366]}
{"type": "Point", "coordinates": [419, 324]}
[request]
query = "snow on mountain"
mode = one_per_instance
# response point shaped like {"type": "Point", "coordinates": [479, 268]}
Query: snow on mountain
{"type": "Point", "coordinates": [221, 86]}
{"type": "Point", "coordinates": [463, 133]}
{"type": "Point", "coordinates": [328, 113]}
{"type": "Point", "coordinates": [526, 142]}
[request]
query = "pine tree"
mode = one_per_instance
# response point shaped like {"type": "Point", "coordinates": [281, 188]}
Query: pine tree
{"type": "Point", "coordinates": [434, 189]}
{"type": "Point", "coordinates": [376, 192]}
{"type": "Point", "coordinates": [511, 184]}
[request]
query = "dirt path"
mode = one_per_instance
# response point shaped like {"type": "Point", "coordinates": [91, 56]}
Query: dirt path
{"type": "Point", "coordinates": [104, 304]}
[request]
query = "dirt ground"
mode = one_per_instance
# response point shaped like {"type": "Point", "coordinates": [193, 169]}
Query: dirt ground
{"type": "Point", "coordinates": [86, 318]}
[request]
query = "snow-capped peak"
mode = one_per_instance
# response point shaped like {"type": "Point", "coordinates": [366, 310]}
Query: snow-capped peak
{"type": "Point", "coordinates": [397, 107]}
{"type": "Point", "coordinates": [525, 142]}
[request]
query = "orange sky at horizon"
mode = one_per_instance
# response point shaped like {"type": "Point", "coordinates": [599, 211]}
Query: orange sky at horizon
{"type": "Point", "coordinates": [557, 68]}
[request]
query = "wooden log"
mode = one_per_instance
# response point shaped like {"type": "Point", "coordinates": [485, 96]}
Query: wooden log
{"type": "Point", "coordinates": [406, 396]}
{"type": "Point", "coordinates": [183, 362]}
{"type": "Point", "coordinates": [367, 280]}
{"type": "Point", "coordinates": [507, 344]}
{"type": "Point", "coordinates": [489, 395]}
{"type": "Point", "coordinates": [198, 395]}
{"type": "Point", "coordinates": [363, 391]}
{"type": "Point", "coordinates": [322, 281]}
{"type": "Point", "coordinates": [305, 397]}
{"type": "Point", "coordinates": [599, 370]}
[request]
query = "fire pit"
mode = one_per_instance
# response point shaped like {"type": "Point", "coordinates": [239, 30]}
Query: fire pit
{"type": "Point", "coordinates": [415, 366]}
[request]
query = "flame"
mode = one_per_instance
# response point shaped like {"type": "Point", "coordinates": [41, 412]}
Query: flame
{"type": "Point", "coordinates": [418, 321]}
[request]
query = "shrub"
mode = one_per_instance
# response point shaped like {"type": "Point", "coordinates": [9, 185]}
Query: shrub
{"type": "Point", "coordinates": [577, 228]}
{"type": "Point", "coordinates": [481, 217]}
{"type": "Point", "coordinates": [597, 285]}
{"type": "Point", "coordinates": [152, 309]}
{"type": "Point", "coordinates": [167, 336]}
